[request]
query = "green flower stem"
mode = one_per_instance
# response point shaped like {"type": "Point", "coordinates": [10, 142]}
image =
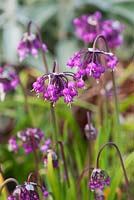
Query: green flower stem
{"type": "Point", "coordinates": [64, 161]}
{"type": "Point", "coordinates": [122, 164]}
{"type": "Point", "coordinates": [118, 127]}
{"type": "Point", "coordinates": [85, 170]}
{"type": "Point", "coordinates": [54, 124]}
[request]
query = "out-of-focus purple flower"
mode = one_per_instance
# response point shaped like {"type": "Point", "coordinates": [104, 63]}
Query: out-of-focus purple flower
{"type": "Point", "coordinates": [87, 26]}
{"type": "Point", "coordinates": [28, 191]}
{"type": "Point", "coordinates": [46, 145]}
{"type": "Point", "coordinates": [91, 132]}
{"type": "Point", "coordinates": [30, 44]}
{"type": "Point", "coordinates": [98, 180]}
{"type": "Point", "coordinates": [54, 85]}
{"type": "Point", "coordinates": [9, 80]}
{"type": "Point", "coordinates": [112, 31]}
{"type": "Point", "coordinates": [31, 137]}
{"type": "Point", "coordinates": [88, 62]}
{"type": "Point", "coordinates": [13, 146]}
{"type": "Point", "coordinates": [54, 158]}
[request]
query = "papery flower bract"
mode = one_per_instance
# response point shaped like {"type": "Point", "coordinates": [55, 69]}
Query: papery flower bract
{"type": "Point", "coordinates": [88, 62]}
{"type": "Point", "coordinates": [87, 26]}
{"type": "Point", "coordinates": [98, 180]}
{"type": "Point", "coordinates": [54, 85]}
{"type": "Point", "coordinates": [31, 137]}
{"type": "Point", "coordinates": [9, 80]}
{"type": "Point", "coordinates": [54, 158]}
{"type": "Point", "coordinates": [28, 191]}
{"type": "Point", "coordinates": [30, 44]}
{"type": "Point", "coordinates": [13, 146]}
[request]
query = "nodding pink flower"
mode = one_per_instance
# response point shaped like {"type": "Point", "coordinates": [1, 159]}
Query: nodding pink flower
{"type": "Point", "coordinates": [88, 62]}
{"type": "Point", "coordinates": [54, 85]}
{"type": "Point", "coordinates": [28, 191]}
{"type": "Point", "coordinates": [98, 180]}
{"type": "Point", "coordinates": [89, 26]}
{"type": "Point", "coordinates": [9, 80]}
{"type": "Point", "coordinates": [30, 44]}
{"type": "Point", "coordinates": [31, 138]}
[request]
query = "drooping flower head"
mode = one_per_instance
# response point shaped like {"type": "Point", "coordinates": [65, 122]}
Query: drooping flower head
{"type": "Point", "coordinates": [91, 132]}
{"type": "Point", "coordinates": [30, 44]}
{"type": "Point", "coordinates": [54, 158]}
{"type": "Point", "coordinates": [54, 85]}
{"type": "Point", "coordinates": [31, 138]}
{"type": "Point", "coordinates": [88, 62]}
{"type": "Point", "coordinates": [87, 26]}
{"type": "Point", "coordinates": [9, 80]}
{"type": "Point", "coordinates": [99, 179]}
{"type": "Point", "coordinates": [28, 191]}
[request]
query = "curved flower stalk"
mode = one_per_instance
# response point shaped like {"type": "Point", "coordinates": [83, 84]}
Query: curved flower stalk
{"type": "Point", "coordinates": [99, 178]}
{"type": "Point", "coordinates": [31, 43]}
{"type": "Point", "coordinates": [89, 26]}
{"type": "Point", "coordinates": [28, 190]}
{"type": "Point", "coordinates": [88, 61]}
{"type": "Point", "coordinates": [9, 80]}
{"type": "Point", "coordinates": [54, 85]}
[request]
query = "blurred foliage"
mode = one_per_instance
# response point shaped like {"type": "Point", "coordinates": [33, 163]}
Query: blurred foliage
{"type": "Point", "coordinates": [55, 19]}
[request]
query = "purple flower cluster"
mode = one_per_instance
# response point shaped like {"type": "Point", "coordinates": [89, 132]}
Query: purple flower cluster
{"type": "Point", "coordinates": [98, 180]}
{"type": "Point", "coordinates": [88, 62]}
{"type": "Point", "coordinates": [30, 44]}
{"type": "Point", "coordinates": [52, 86]}
{"type": "Point", "coordinates": [89, 26]}
{"type": "Point", "coordinates": [31, 137]}
{"type": "Point", "coordinates": [8, 80]}
{"type": "Point", "coordinates": [28, 191]}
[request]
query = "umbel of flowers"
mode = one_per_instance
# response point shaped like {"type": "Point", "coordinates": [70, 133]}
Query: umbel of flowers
{"type": "Point", "coordinates": [87, 27]}
{"type": "Point", "coordinates": [54, 85]}
{"type": "Point", "coordinates": [88, 61]}
{"type": "Point", "coordinates": [29, 190]}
